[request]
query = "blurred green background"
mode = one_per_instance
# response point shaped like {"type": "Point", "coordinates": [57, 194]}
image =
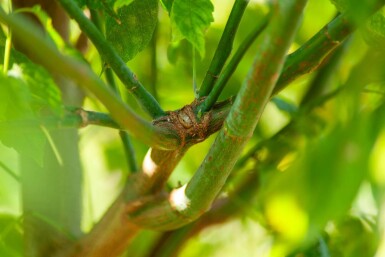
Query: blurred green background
{"type": "Point", "coordinates": [310, 196]}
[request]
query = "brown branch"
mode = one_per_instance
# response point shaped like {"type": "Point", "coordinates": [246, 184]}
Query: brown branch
{"type": "Point", "coordinates": [113, 232]}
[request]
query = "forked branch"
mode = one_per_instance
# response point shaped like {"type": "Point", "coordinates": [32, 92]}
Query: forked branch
{"type": "Point", "coordinates": [33, 40]}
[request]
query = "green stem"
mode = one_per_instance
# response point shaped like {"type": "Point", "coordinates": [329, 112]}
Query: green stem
{"type": "Point", "coordinates": [108, 53]}
{"type": "Point", "coordinates": [192, 200]}
{"type": "Point", "coordinates": [127, 145]}
{"type": "Point", "coordinates": [154, 64]}
{"type": "Point", "coordinates": [321, 81]}
{"type": "Point", "coordinates": [75, 117]}
{"type": "Point", "coordinates": [194, 73]}
{"type": "Point", "coordinates": [231, 67]}
{"type": "Point", "coordinates": [124, 137]}
{"type": "Point", "coordinates": [224, 47]}
{"type": "Point", "coordinates": [311, 54]}
{"type": "Point", "coordinates": [8, 45]}
{"type": "Point", "coordinates": [7, 52]}
{"type": "Point", "coordinates": [79, 118]}
{"type": "Point", "coordinates": [10, 172]}
{"type": "Point", "coordinates": [32, 40]}
{"type": "Point", "coordinates": [109, 74]}
{"type": "Point", "coordinates": [95, 18]}
{"type": "Point", "coordinates": [309, 57]}
{"type": "Point", "coordinates": [245, 113]}
{"type": "Point", "coordinates": [129, 151]}
{"type": "Point", "coordinates": [170, 243]}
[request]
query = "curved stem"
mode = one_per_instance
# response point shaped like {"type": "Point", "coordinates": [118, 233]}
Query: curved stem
{"type": "Point", "coordinates": [129, 151]}
{"type": "Point", "coordinates": [78, 117]}
{"type": "Point", "coordinates": [124, 137]}
{"type": "Point", "coordinates": [7, 52]}
{"type": "Point", "coordinates": [30, 37]}
{"type": "Point", "coordinates": [224, 47]}
{"type": "Point", "coordinates": [128, 78]}
{"type": "Point", "coordinates": [8, 46]}
{"type": "Point", "coordinates": [311, 54]}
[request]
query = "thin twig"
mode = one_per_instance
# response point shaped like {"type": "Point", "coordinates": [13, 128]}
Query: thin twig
{"type": "Point", "coordinates": [224, 47]}
{"type": "Point", "coordinates": [231, 67]}
{"type": "Point", "coordinates": [124, 137]}
{"type": "Point", "coordinates": [154, 63]}
{"type": "Point", "coordinates": [108, 53]}
{"type": "Point", "coordinates": [10, 172]}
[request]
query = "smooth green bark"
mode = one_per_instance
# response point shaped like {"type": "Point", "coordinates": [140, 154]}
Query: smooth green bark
{"type": "Point", "coordinates": [315, 50]}
{"type": "Point", "coordinates": [248, 107]}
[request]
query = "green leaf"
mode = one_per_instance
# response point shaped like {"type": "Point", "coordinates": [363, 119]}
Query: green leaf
{"type": "Point", "coordinates": [15, 99]}
{"type": "Point", "coordinates": [318, 249]}
{"type": "Point", "coordinates": [320, 185]}
{"type": "Point", "coordinates": [189, 19]}
{"type": "Point", "coordinates": [167, 4]}
{"type": "Point", "coordinates": [81, 3]}
{"type": "Point", "coordinates": [357, 9]}
{"type": "Point", "coordinates": [341, 5]}
{"type": "Point", "coordinates": [46, 96]}
{"type": "Point", "coordinates": [133, 31]}
{"type": "Point", "coordinates": [15, 105]}
{"type": "Point", "coordinates": [374, 31]}
{"type": "Point", "coordinates": [46, 21]}
{"type": "Point", "coordinates": [120, 3]}
{"type": "Point", "coordinates": [354, 236]}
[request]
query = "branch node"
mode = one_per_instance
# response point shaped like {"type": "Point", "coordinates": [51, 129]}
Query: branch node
{"type": "Point", "coordinates": [186, 124]}
{"type": "Point", "coordinates": [84, 117]}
